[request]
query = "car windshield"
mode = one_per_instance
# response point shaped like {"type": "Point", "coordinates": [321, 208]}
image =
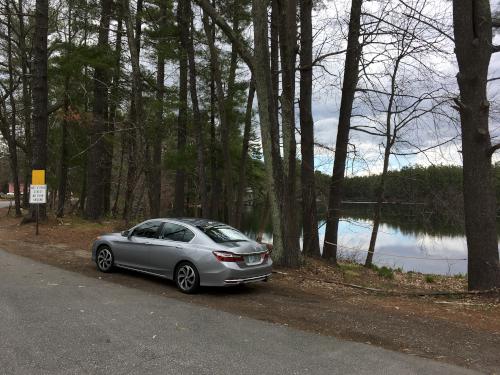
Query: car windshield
{"type": "Point", "coordinates": [224, 234]}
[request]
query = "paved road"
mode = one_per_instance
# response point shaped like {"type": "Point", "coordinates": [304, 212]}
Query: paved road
{"type": "Point", "coordinates": [57, 322]}
{"type": "Point", "coordinates": [4, 203]}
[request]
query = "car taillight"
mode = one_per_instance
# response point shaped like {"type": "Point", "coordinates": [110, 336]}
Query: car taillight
{"type": "Point", "coordinates": [265, 256]}
{"type": "Point", "coordinates": [225, 256]}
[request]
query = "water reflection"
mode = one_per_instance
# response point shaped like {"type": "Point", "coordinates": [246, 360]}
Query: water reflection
{"type": "Point", "coordinates": [411, 239]}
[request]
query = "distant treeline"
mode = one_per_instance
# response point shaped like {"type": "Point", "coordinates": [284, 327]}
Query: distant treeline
{"type": "Point", "coordinates": [438, 187]}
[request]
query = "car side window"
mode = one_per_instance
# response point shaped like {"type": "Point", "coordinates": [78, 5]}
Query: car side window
{"type": "Point", "coordinates": [148, 229]}
{"type": "Point", "coordinates": [174, 232]}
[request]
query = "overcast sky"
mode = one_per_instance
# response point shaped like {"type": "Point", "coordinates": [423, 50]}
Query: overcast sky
{"type": "Point", "coordinates": [326, 101]}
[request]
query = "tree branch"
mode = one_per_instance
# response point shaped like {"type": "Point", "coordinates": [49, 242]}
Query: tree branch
{"type": "Point", "coordinates": [495, 22]}
{"type": "Point", "coordinates": [492, 150]}
{"type": "Point", "coordinates": [321, 58]}
{"type": "Point", "coordinates": [243, 50]}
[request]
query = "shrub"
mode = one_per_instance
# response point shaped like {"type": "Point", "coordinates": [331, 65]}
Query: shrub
{"type": "Point", "coordinates": [385, 272]}
{"type": "Point", "coordinates": [429, 279]}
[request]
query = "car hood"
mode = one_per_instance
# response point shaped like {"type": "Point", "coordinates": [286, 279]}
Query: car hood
{"type": "Point", "coordinates": [111, 235]}
{"type": "Point", "coordinates": [243, 247]}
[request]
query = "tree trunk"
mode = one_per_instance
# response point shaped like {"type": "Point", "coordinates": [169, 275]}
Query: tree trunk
{"type": "Point", "coordinates": [154, 178]}
{"type": "Point", "coordinates": [114, 210]}
{"type": "Point", "coordinates": [13, 117]}
{"type": "Point", "coordinates": [473, 43]}
{"type": "Point", "coordinates": [135, 115]}
{"type": "Point", "coordinates": [351, 75]}
{"type": "Point", "coordinates": [83, 191]}
{"type": "Point", "coordinates": [63, 166]}
{"type": "Point", "coordinates": [282, 201]}
{"type": "Point", "coordinates": [23, 51]}
{"type": "Point", "coordinates": [275, 56]}
{"type": "Point", "coordinates": [110, 137]}
{"type": "Point", "coordinates": [224, 121]}
{"type": "Point", "coordinates": [378, 208]}
{"type": "Point", "coordinates": [390, 138]}
{"type": "Point", "coordinates": [309, 211]}
{"type": "Point", "coordinates": [180, 174]}
{"type": "Point", "coordinates": [244, 155]}
{"type": "Point", "coordinates": [197, 120]}
{"type": "Point", "coordinates": [40, 93]}
{"type": "Point", "coordinates": [214, 181]}
{"type": "Point", "coordinates": [288, 46]}
{"type": "Point", "coordinates": [113, 106]}
{"type": "Point", "coordinates": [285, 239]}
{"type": "Point", "coordinates": [96, 170]}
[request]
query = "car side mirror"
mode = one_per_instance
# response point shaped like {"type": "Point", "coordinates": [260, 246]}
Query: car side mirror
{"type": "Point", "coordinates": [126, 233]}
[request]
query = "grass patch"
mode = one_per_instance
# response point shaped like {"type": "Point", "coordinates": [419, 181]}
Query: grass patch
{"type": "Point", "coordinates": [430, 279]}
{"type": "Point", "coordinates": [385, 272]}
{"type": "Point", "coordinates": [350, 266]}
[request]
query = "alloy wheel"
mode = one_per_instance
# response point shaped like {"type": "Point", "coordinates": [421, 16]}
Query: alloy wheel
{"type": "Point", "coordinates": [186, 277]}
{"type": "Point", "coordinates": [105, 259]}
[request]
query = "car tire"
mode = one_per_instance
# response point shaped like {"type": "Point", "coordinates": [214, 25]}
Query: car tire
{"type": "Point", "coordinates": [187, 278]}
{"type": "Point", "coordinates": [104, 259]}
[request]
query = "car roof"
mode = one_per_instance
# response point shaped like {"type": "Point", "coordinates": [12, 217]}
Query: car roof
{"type": "Point", "coordinates": [197, 222]}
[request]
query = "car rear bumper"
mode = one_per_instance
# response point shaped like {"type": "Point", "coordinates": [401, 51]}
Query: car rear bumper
{"type": "Point", "coordinates": [225, 274]}
{"type": "Point", "coordinates": [248, 279]}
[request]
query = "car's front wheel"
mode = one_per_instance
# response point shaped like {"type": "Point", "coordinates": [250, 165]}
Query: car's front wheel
{"type": "Point", "coordinates": [105, 259]}
{"type": "Point", "coordinates": [187, 278]}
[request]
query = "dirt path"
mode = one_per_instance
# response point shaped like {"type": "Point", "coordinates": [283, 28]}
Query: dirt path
{"type": "Point", "coordinates": [460, 331]}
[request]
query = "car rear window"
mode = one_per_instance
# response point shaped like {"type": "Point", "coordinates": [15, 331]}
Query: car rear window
{"type": "Point", "coordinates": [224, 234]}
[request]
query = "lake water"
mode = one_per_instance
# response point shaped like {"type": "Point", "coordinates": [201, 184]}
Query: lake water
{"type": "Point", "coordinates": [415, 242]}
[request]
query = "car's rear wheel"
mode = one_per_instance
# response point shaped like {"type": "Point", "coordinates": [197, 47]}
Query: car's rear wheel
{"type": "Point", "coordinates": [187, 278]}
{"type": "Point", "coordinates": [105, 259]}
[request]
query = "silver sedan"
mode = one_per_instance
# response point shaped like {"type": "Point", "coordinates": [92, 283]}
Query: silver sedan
{"type": "Point", "coordinates": [192, 252]}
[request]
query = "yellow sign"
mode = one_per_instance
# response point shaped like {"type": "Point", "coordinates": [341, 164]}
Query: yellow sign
{"type": "Point", "coordinates": [38, 177]}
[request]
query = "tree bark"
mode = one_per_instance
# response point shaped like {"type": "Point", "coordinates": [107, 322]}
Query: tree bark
{"type": "Point", "coordinates": [242, 180]}
{"type": "Point", "coordinates": [23, 51]}
{"type": "Point", "coordinates": [285, 237]}
{"type": "Point", "coordinates": [40, 93]}
{"type": "Point", "coordinates": [94, 209]}
{"type": "Point", "coordinates": [113, 106]}
{"type": "Point", "coordinates": [63, 166]}
{"type": "Point", "coordinates": [473, 45]}
{"type": "Point", "coordinates": [224, 121]}
{"type": "Point", "coordinates": [351, 75]}
{"type": "Point", "coordinates": [288, 51]}
{"type": "Point", "coordinates": [214, 180]}
{"type": "Point", "coordinates": [309, 210]}
{"type": "Point", "coordinates": [378, 208]}
{"type": "Point", "coordinates": [275, 58]}
{"type": "Point", "coordinates": [180, 174]}
{"type": "Point", "coordinates": [197, 120]}
{"type": "Point", "coordinates": [135, 115]}
{"type": "Point", "coordinates": [13, 117]}
{"type": "Point", "coordinates": [154, 178]}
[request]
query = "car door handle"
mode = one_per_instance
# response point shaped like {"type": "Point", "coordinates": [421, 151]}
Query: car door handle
{"type": "Point", "coordinates": [147, 243]}
{"type": "Point", "coordinates": [178, 247]}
